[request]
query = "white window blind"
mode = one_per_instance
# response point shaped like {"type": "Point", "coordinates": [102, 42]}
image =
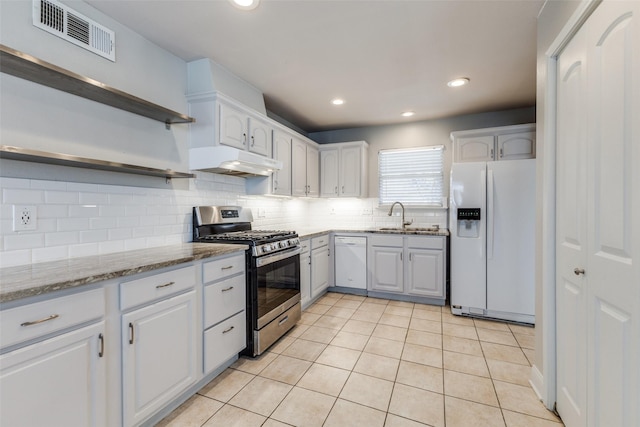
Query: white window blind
{"type": "Point", "coordinates": [413, 176]}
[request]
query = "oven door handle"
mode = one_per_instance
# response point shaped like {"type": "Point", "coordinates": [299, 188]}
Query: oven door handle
{"type": "Point", "coordinates": [269, 259]}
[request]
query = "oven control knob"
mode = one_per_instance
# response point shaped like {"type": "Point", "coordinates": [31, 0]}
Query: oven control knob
{"type": "Point", "coordinates": [284, 244]}
{"type": "Point", "coordinates": [266, 248]}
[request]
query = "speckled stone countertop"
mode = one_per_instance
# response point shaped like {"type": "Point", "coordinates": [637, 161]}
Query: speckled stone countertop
{"type": "Point", "coordinates": [309, 233]}
{"type": "Point", "coordinates": [41, 278]}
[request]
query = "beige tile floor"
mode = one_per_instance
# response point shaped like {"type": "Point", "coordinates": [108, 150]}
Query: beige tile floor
{"type": "Point", "coordinates": [356, 361]}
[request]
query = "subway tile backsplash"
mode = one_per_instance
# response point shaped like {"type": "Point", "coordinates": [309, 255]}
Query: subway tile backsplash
{"type": "Point", "coordinates": [77, 219]}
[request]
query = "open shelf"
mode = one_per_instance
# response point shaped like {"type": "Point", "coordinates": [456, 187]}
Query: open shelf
{"type": "Point", "coordinates": [35, 156]}
{"type": "Point", "coordinates": [30, 68]}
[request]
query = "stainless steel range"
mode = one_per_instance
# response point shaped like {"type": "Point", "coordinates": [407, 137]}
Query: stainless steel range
{"type": "Point", "coordinates": [273, 270]}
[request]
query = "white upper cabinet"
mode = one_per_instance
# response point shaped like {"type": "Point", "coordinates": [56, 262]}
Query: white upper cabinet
{"type": "Point", "coordinates": [343, 169]}
{"type": "Point", "coordinates": [220, 120]}
{"type": "Point", "coordinates": [304, 168]}
{"type": "Point", "coordinates": [499, 143]}
{"type": "Point", "coordinates": [282, 151]}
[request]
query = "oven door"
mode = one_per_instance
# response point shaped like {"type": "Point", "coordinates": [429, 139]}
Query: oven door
{"type": "Point", "coordinates": [278, 284]}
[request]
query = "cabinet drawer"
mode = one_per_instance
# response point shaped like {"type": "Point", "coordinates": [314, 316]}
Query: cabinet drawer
{"type": "Point", "coordinates": [42, 318]}
{"type": "Point", "coordinates": [386, 240]}
{"type": "Point", "coordinates": [222, 268]}
{"type": "Point", "coordinates": [425, 242]}
{"type": "Point", "coordinates": [140, 291]}
{"type": "Point", "coordinates": [223, 341]}
{"type": "Point", "coordinates": [319, 241]}
{"type": "Point", "coordinates": [224, 299]}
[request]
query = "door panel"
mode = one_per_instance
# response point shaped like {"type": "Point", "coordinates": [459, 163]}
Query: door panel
{"type": "Point", "coordinates": [571, 201]}
{"type": "Point", "coordinates": [612, 273]}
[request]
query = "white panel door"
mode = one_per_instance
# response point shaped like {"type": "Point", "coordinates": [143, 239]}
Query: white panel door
{"type": "Point", "coordinates": [298, 168]}
{"type": "Point", "coordinates": [260, 141]}
{"type": "Point", "coordinates": [613, 258]}
{"type": "Point", "coordinates": [571, 233]}
{"type": "Point", "coordinates": [387, 269]}
{"type": "Point", "coordinates": [598, 183]}
{"type": "Point", "coordinates": [313, 171]}
{"type": "Point", "coordinates": [511, 195]}
{"type": "Point", "coordinates": [233, 127]}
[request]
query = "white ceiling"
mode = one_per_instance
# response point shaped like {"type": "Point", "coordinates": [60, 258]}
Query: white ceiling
{"type": "Point", "coordinates": [383, 57]}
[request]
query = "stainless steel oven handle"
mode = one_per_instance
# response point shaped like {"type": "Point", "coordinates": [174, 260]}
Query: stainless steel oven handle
{"type": "Point", "coordinates": [268, 259]}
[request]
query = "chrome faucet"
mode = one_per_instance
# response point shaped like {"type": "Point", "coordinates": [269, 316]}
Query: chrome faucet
{"type": "Point", "coordinates": [404, 223]}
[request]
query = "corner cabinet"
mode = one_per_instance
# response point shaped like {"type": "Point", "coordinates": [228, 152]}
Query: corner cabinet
{"type": "Point", "coordinates": [408, 267]}
{"type": "Point", "coordinates": [221, 120]}
{"type": "Point", "coordinates": [499, 143]}
{"type": "Point", "coordinates": [305, 177]}
{"type": "Point", "coordinates": [343, 169]}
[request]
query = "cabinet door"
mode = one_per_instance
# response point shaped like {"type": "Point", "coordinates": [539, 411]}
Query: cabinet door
{"type": "Point", "coordinates": [282, 152]}
{"type": "Point", "coordinates": [159, 355]}
{"type": "Point", "coordinates": [233, 127]}
{"type": "Point", "coordinates": [305, 276]}
{"type": "Point", "coordinates": [387, 274]}
{"type": "Point", "coordinates": [57, 382]}
{"type": "Point", "coordinates": [298, 168]}
{"type": "Point", "coordinates": [517, 146]}
{"type": "Point", "coordinates": [319, 271]}
{"type": "Point", "coordinates": [474, 149]}
{"type": "Point", "coordinates": [260, 137]}
{"type": "Point", "coordinates": [350, 171]}
{"type": "Point", "coordinates": [329, 184]}
{"type": "Point", "coordinates": [313, 172]}
{"type": "Point", "coordinates": [425, 272]}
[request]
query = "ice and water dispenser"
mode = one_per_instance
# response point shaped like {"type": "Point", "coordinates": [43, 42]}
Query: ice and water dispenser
{"type": "Point", "coordinates": [468, 222]}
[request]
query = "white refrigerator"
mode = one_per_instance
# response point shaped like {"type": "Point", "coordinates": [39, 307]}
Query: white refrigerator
{"type": "Point", "coordinates": [492, 225]}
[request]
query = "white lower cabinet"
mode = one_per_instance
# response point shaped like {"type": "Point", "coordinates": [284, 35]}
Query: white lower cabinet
{"type": "Point", "coordinates": [225, 317]}
{"type": "Point", "coordinates": [387, 268]}
{"type": "Point", "coordinates": [319, 265]}
{"type": "Point", "coordinates": [54, 372]}
{"type": "Point", "coordinates": [305, 273]}
{"type": "Point", "coordinates": [158, 339]}
{"type": "Point", "coordinates": [411, 266]}
{"type": "Point", "coordinates": [57, 382]}
{"type": "Point", "coordinates": [159, 355]}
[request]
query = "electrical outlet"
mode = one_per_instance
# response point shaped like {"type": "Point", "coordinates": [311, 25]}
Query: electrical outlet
{"type": "Point", "coordinates": [24, 218]}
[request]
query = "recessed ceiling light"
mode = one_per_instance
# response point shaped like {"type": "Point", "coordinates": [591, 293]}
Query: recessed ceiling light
{"type": "Point", "coordinates": [458, 82]}
{"type": "Point", "coordinates": [408, 114]}
{"type": "Point", "coordinates": [245, 4]}
{"type": "Point", "coordinates": [337, 101]}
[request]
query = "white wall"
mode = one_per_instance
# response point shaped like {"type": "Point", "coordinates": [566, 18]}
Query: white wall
{"type": "Point", "coordinates": [37, 117]}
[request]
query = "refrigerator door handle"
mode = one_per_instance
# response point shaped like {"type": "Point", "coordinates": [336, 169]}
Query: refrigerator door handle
{"type": "Point", "coordinates": [490, 214]}
{"type": "Point", "coordinates": [483, 195]}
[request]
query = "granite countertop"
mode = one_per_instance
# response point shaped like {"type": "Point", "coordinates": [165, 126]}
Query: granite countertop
{"type": "Point", "coordinates": [306, 233]}
{"type": "Point", "coordinates": [41, 278]}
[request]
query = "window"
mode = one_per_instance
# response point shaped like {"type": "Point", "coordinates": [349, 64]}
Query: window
{"type": "Point", "coordinates": [413, 176]}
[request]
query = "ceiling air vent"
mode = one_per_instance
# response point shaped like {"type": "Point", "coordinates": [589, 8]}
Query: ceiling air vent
{"type": "Point", "coordinates": [59, 19]}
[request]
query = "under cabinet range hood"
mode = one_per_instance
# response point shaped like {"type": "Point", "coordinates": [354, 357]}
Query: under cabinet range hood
{"type": "Point", "coordinates": [231, 161]}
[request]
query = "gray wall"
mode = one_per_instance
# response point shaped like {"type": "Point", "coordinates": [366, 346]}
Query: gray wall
{"type": "Point", "coordinates": [424, 133]}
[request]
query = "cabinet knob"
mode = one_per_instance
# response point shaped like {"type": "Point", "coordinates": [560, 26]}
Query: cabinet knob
{"type": "Point", "coordinates": [501, 153]}
{"type": "Point", "coordinates": [244, 139]}
{"type": "Point", "coordinates": [253, 141]}
{"type": "Point", "coordinates": [578, 271]}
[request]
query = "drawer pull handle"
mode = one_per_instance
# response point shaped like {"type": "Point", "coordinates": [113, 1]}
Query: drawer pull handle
{"type": "Point", "coordinates": [227, 267]}
{"type": "Point", "coordinates": [165, 285]}
{"type": "Point", "coordinates": [130, 333]}
{"type": "Point", "coordinates": [283, 320]}
{"type": "Point", "coordinates": [228, 330]}
{"type": "Point", "coordinates": [35, 322]}
{"type": "Point", "coordinates": [101, 340]}
{"type": "Point", "coordinates": [227, 289]}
